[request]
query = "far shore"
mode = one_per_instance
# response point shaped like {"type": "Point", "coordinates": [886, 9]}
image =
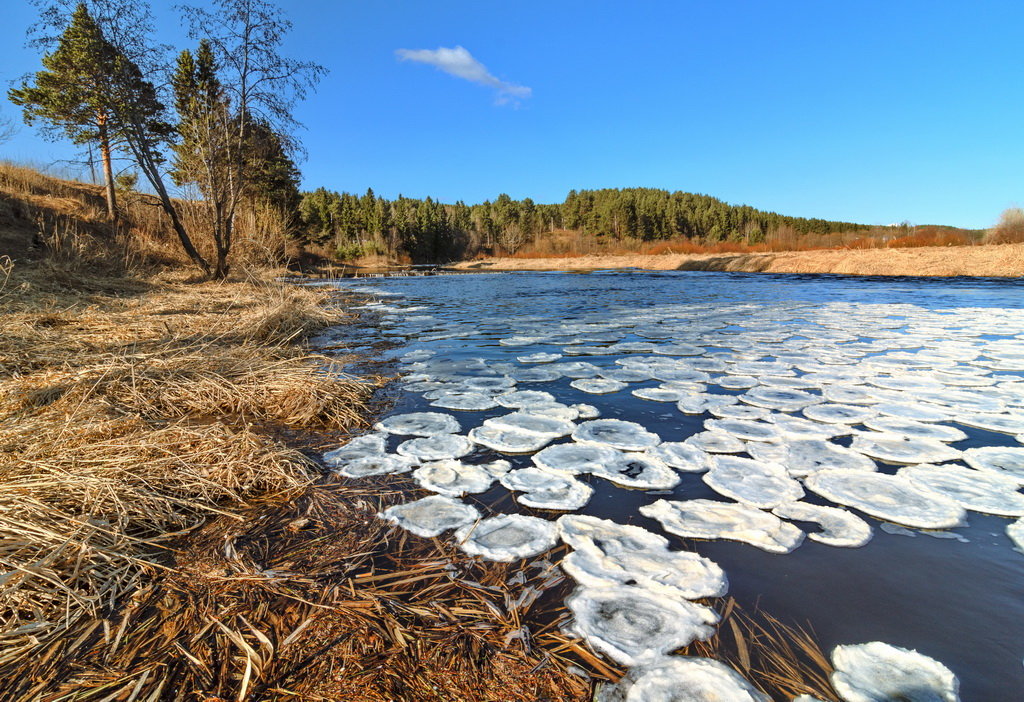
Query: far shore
{"type": "Point", "coordinates": [1004, 260]}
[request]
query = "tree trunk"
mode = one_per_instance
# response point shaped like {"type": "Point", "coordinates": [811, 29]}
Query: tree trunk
{"type": "Point", "coordinates": [108, 170]}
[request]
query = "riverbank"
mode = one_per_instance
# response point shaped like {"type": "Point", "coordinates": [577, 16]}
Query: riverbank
{"type": "Point", "coordinates": [1004, 260]}
{"type": "Point", "coordinates": [168, 532]}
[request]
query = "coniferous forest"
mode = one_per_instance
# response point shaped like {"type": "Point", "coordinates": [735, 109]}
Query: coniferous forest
{"type": "Point", "coordinates": [349, 226]}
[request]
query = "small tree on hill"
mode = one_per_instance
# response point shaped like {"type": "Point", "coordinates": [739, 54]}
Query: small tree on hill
{"type": "Point", "coordinates": [73, 95]}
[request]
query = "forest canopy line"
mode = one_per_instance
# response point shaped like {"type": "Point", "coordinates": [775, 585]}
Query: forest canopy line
{"type": "Point", "coordinates": [349, 225]}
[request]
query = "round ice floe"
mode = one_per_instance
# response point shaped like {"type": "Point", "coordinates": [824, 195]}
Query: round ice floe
{"type": "Point", "coordinates": [746, 429]}
{"type": "Point", "coordinates": [800, 428]}
{"type": "Point", "coordinates": [915, 430]}
{"type": "Point", "coordinates": [578, 369]}
{"type": "Point", "coordinates": [455, 479]}
{"type": "Point", "coordinates": [763, 485]}
{"type": "Point", "coordinates": [507, 537]}
{"type": "Point", "coordinates": [832, 413]}
{"type": "Point", "coordinates": [887, 497]}
{"type": "Point", "coordinates": [554, 410]}
{"type": "Point", "coordinates": [367, 466]}
{"type": "Point", "coordinates": [850, 394]}
{"type": "Point", "coordinates": [431, 515]}
{"type": "Point", "coordinates": [575, 458]}
{"type": "Point", "coordinates": [436, 448]}
{"type": "Point", "coordinates": [1005, 460]}
{"type": "Point", "coordinates": [679, 574]}
{"type": "Point", "coordinates": [977, 490]}
{"type": "Point", "coordinates": [626, 375]}
{"type": "Point", "coordinates": [682, 679]}
{"type": "Point", "coordinates": [535, 375]}
{"type": "Point", "coordinates": [616, 433]}
{"type": "Point", "coordinates": [547, 489]}
{"type": "Point", "coordinates": [679, 375]}
{"type": "Point", "coordinates": [634, 626]}
{"type": "Point", "coordinates": [638, 470]}
{"type": "Point", "coordinates": [523, 398]}
{"type": "Point", "coordinates": [581, 531]}
{"type": "Point", "coordinates": [525, 420]}
{"type": "Point", "coordinates": [1003, 423]}
{"type": "Point", "coordinates": [917, 411]}
{"type": "Point", "coordinates": [781, 399]}
{"type": "Point", "coordinates": [737, 382]}
{"type": "Point", "coordinates": [598, 386]}
{"type": "Point", "coordinates": [660, 394]}
{"type": "Point", "coordinates": [586, 411]}
{"type": "Point", "coordinates": [701, 403]}
{"type": "Point", "coordinates": [804, 457]}
{"type": "Point", "coordinates": [509, 440]}
{"type": "Point", "coordinates": [715, 442]}
{"type": "Point", "coordinates": [488, 384]}
{"type": "Point", "coordinates": [678, 350]}
{"type": "Point", "coordinates": [710, 519]}
{"type": "Point", "coordinates": [738, 411]}
{"type": "Point", "coordinates": [838, 526]}
{"type": "Point", "coordinates": [466, 401]}
{"type": "Point", "coordinates": [685, 457]}
{"type": "Point", "coordinates": [360, 447]}
{"type": "Point", "coordinates": [894, 448]}
{"type": "Point", "coordinates": [419, 424]}
{"type": "Point", "coordinates": [539, 358]}
{"type": "Point", "coordinates": [878, 672]}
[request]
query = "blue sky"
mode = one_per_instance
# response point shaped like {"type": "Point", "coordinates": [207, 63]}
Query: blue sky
{"type": "Point", "coordinates": [873, 112]}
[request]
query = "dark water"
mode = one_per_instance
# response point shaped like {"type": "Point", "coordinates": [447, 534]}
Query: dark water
{"type": "Point", "coordinates": [960, 603]}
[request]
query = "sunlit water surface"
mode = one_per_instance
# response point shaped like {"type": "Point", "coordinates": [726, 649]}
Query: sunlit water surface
{"type": "Point", "coordinates": [958, 600]}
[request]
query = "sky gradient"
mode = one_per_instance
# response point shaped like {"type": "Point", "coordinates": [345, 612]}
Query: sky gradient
{"type": "Point", "coordinates": [873, 112]}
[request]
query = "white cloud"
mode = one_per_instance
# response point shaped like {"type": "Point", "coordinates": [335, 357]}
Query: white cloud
{"type": "Point", "coordinates": [461, 64]}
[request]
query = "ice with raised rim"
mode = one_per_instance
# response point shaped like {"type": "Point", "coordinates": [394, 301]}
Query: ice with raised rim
{"type": "Point", "coordinates": [539, 357]}
{"type": "Point", "coordinates": [384, 464]}
{"type": "Point", "coordinates": [582, 531]}
{"type": "Point", "coordinates": [439, 447]}
{"type": "Point", "coordinates": [632, 625]}
{"type": "Point", "coordinates": [887, 497]}
{"type": "Point", "coordinates": [711, 519]}
{"type": "Point", "coordinates": [914, 429]}
{"type": "Point", "coordinates": [508, 439]}
{"type": "Point", "coordinates": [617, 434]}
{"type": "Point", "coordinates": [454, 478]}
{"type": "Point", "coordinates": [1002, 423]}
{"type": "Point", "coordinates": [507, 537]}
{"type": "Point", "coordinates": [835, 413]}
{"type": "Point", "coordinates": [880, 672]}
{"type": "Point", "coordinates": [544, 488]}
{"type": "Point", "coordinates": [782, 399]}
{"type": "Point", "coordinates": [903, 450]}
{"type": "Point", "coordinates": [917, 411]}
{"type": "Point", "coordinates": [638, 470]}
{"type": "Point", "coordinates": [575, 457]}
{"type": "Point", "coordinates": [839, 527]}
{"type": "Point", "coordinates": [659, 394]}
{"type": "Point", "coordinates": [465, 401]}
{"type": "Point", "coordinates": [365, 446]}
{"type": "Point", "coordinates": [419, 424]}
{"type": "Point", "coordinates": [715, 442]}
{"type": "Point", "coordinates": [679, 574]}
{"type": "Point", "coordinates": [598, 386]}
{"type": "Point", "coordinates": [431, 515]}
{"type": "Point", "coordinates": [682, 679]}
{"type": "Point", "coordinates": [759, 484]}
{"type": "Point", "coordinates": [745, 429]}
{"type": "Point", "coordinates": [518, 399]}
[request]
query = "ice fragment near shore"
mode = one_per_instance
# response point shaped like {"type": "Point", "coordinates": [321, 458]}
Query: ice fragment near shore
{"type": "Point", "coordinates": [639, 471]}
{"type": "Point", "coordinates": [575, 458]}
{"type": "Point", "coordinates": [526, 421]}
{"type": "Point", "coordinates": [582, 531]}
{"type": "Point", "coordinates": [375, 465]}
{"type": "Point", "coordinates": [715, 442]}
{"type": "Point", "coordinates": [746, 429]}
{"type": "Point", "coordinates": [518, 399]}
{"type": "Point", "coordinates": [598, 386]}
{"type": "Point", "coordinates": [419, 424]}
{"type": "Point", "coordinates": [431, 515]}
{"type": "Point", "coordinates": [878, 672]}
{"type": "Point", "coordinates": [455, 479]}
{"type": "Point", "coordinates": [466, 401]}
{"type": "Point", "coordinates": [364, 446]}
{"type": "Point", "coordinates": [887, 497]}
{"type": "Point", "coordinates": [679, 574]}
{"type": "Point", "coordinates": [682, 679]}
{"type": "Point", "coordinates": [633, 626]}
{"type": "Point", "coordinates": [762, 485]}
{"type": "Point", "coordinates": [436, 448]}
{"type": "Point", "coordinates": [547, 489]}
{"type": "Point", "coordinates": [508, 439]}
{"type": "Point", "coordinates": [685, 457]}
{"type": "Point", "coordinates": [710, 519]}
{"type": "Point", "coordinates": [507, 537]}
{"type": "Point", "coordinates": [838, 526]}
{"type": "Point", "coordinates": [616, 433]}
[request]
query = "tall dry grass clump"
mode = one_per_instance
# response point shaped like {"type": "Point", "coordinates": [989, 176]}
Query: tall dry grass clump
{"type": "Point", "coordinates": [1009, 230]}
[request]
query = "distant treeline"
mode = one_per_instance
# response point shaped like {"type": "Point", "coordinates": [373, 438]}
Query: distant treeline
{"type": "Point", "coordinates": [427, 230]}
